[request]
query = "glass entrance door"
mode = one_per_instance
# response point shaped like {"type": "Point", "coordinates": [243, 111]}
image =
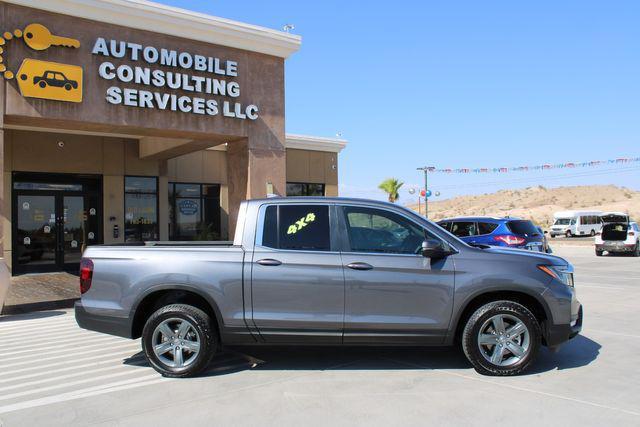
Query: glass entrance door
{"type": "Point", "coordinates": [36, 239]}
{"type": "Point", "coordinates": [54, 222]}
{"type": "Point", "coordinates": [80, 227]}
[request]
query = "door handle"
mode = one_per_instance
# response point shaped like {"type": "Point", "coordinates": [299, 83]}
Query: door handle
{"type": "Point", "coordinates": [360, 266]}
{"type": "Point", "coordinates": [269, 262]}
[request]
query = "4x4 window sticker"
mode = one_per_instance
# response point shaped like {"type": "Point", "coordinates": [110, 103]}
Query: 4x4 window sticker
{"type": "Point", "coordinates": [301, 223]}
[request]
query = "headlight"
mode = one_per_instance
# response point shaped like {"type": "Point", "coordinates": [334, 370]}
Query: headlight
{"type": "Point", "coordinates": [559, 273]}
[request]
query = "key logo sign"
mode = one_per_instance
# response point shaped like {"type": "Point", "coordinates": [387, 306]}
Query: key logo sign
{"type": "Point", "coordinates": [44, 79]}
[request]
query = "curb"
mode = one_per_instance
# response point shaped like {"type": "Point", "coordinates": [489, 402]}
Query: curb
{"type": "Point", "coordinates": [38, 306]}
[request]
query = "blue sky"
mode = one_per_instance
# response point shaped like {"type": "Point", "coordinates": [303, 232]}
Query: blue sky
{"type": "Point", "coordinates": [461, 84]}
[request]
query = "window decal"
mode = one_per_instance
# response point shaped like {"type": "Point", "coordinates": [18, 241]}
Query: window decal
{"type": "Point", "coordinates": [301, 223]}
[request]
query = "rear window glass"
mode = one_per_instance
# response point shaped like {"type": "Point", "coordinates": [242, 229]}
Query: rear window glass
{"type": "Point", "coordinates": [522, 227]}
{"type": "Point", "coordinates": [486, 227]}
{"type": "Point", "coordinates": [297, 227]}
{"type": "Point", "coordinates": [445, 225]}
{"type": "Point", "coordinates": [464, 229]}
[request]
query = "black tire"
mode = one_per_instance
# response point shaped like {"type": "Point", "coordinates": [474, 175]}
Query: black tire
{"type": "Point", "coordinates": [68, 86]}
{"type": "Point", "coordinates": [42, 84]}
{"type": "Point", "coordinates": [593, 233]}
{"type": "Point", "coordinates": [599, 253]}
{"type": "Point", "coordinates": [568, 234]}
{"type": "Point", "coordinates": [636, 252]}
{"type": "Point", "coordinates": [471, 331]}
{"type": "Point", "coordinates": [203, 327]}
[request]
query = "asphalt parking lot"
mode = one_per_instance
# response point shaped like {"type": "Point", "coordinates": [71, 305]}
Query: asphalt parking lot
{"type": "Point", "coordinates": [53, 373]}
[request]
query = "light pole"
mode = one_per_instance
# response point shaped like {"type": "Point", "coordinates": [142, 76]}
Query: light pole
{"type": "Point", "coordinates": [426, 169]}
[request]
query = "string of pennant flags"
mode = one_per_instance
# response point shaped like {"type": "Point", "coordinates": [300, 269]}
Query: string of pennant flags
{"type": "Point", "coordinates": [544, 166]}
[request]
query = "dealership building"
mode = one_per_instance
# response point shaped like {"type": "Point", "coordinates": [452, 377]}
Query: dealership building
{"type": "Point", "coordinates": [128, 121]}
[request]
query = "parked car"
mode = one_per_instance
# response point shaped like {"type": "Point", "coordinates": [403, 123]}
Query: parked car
{"type": "Point", "coordinates": [618, 235]}
{"type": "Point", "coordinates": [329, 271]}
{"type": "Point", "coordinates": [576, 223]}
{"type": "Point", "coordinates": [509, 232]}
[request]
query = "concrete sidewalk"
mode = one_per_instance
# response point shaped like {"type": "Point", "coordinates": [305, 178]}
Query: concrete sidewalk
{"type": "Point", "coordinates": [35, 292]}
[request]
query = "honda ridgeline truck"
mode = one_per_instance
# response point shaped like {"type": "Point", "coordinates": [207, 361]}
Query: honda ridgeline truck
{"type": "Point", "coordinates": [329, 271]}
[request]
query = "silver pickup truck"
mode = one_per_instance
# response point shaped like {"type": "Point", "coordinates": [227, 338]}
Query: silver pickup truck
{"type": "Point", "coordinates": [329, 271]}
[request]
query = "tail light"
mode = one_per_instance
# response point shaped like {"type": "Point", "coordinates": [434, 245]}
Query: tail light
{"type": "Point", "coordinates": [509, 239]}
{"type": "Point", "coordinates": [631, 233]}
{"type": "Point", "coordinates": [86, 274]}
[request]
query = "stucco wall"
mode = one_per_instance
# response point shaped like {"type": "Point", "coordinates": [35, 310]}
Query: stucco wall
{"type": "Point", "coordinates": [314, 167]}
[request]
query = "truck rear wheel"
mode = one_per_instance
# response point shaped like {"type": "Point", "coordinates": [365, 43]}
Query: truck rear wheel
{"type": "Point", "coordinates": [501, 338]}
{"type": "Point", "coordinates": [179, 341]}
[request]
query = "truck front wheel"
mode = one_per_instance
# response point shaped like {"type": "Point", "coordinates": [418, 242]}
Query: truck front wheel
{"type": "Point", "coordinates": [178, 340]}
{"type": "Point", "coordinates": [501, 338]}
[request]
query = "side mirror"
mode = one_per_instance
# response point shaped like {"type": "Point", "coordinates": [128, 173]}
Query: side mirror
{"type": "Point", "coordinates": [546, 232]}
{"type": "Point", "coordinates": [432, 248]}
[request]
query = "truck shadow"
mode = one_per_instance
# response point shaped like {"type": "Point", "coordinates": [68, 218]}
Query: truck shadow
{"type": "Point", "coordinates": [580, 351]}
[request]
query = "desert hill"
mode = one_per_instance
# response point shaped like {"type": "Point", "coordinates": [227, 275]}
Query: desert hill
{"type": "Point", "coordinates": [538, 203]}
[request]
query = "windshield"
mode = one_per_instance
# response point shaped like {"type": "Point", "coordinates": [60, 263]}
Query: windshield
{"type": "Point", "coordinates": [562, 221]}
{"type": "Point", "coordinates": [522, 227]}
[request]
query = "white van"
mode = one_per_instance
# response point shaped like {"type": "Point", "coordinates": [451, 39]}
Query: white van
{"type": "Point", "coordinates": [576, 223]}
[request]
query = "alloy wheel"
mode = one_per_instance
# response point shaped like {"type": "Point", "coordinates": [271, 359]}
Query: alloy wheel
{"type": "Point", "coordinates": [504, 340]}
{"type": "Point", "coordinates": [176, 343]}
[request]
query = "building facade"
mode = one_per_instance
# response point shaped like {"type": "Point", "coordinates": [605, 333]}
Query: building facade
{"type": "Point", "coordinates": [126, 121]}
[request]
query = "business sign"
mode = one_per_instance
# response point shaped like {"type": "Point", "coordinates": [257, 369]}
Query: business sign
{"type": "Point", "coordinates": [50, 80]}
{"type": "Point", "coordinates": [188, 207]}
{"type": "Point", "coordinates": [205, 84]}
{"type": "Point", "coordinates": [44, 79]}
{"type": "Point", "coordinates": [140, 76]}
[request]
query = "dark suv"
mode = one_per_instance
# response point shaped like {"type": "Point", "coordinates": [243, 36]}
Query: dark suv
{"type": "Point", "coordinates": [510, 232]}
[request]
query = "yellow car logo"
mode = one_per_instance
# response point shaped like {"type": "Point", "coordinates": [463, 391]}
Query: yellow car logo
{"type": "Point", "coordinates": [50, 80]}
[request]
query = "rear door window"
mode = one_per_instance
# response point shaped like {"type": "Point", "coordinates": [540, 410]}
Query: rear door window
{"type": "Point", "coordinates": [464, 229]}
{"type": "Point", "coordinates": [297, 227]}
{"type": "Point", "coordinates": [522, 227]}
{"type": "Point", "coordinates": [486, 227]}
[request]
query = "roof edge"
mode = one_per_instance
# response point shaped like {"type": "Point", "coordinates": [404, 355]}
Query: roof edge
{"type": "Point", "coordinates": [150, 16]}
{"type": "Point", "coordinates": [315, 143]}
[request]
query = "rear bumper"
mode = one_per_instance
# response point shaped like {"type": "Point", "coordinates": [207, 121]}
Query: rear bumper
{"type": "Point", "coordinates": [106, 324]}
{"type": "Point", "coordinates": [558, 334]}
{"type": "Point", "coordinates": [616, 248]}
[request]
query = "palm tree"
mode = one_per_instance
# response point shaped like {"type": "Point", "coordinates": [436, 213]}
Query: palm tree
{"type": "Point", "coordinates": [391, 187]}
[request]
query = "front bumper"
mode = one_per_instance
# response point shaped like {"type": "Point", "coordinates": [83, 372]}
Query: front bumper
{"type": "Point", "coordinates": [106, 324]}
{"type": "Point", "coordinates": [558, 334]}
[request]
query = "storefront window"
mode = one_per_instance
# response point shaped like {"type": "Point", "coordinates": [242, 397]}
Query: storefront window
{"type": "Point", "coordinates": [304, 189]}
{"type": "Point", "coordinates": [194, 211]}
{"type": "Point", "coordinates": [141, 209]}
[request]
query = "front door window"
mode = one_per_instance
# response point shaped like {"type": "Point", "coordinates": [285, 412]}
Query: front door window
{"type": "Point", "coordinates": [380, 231]}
